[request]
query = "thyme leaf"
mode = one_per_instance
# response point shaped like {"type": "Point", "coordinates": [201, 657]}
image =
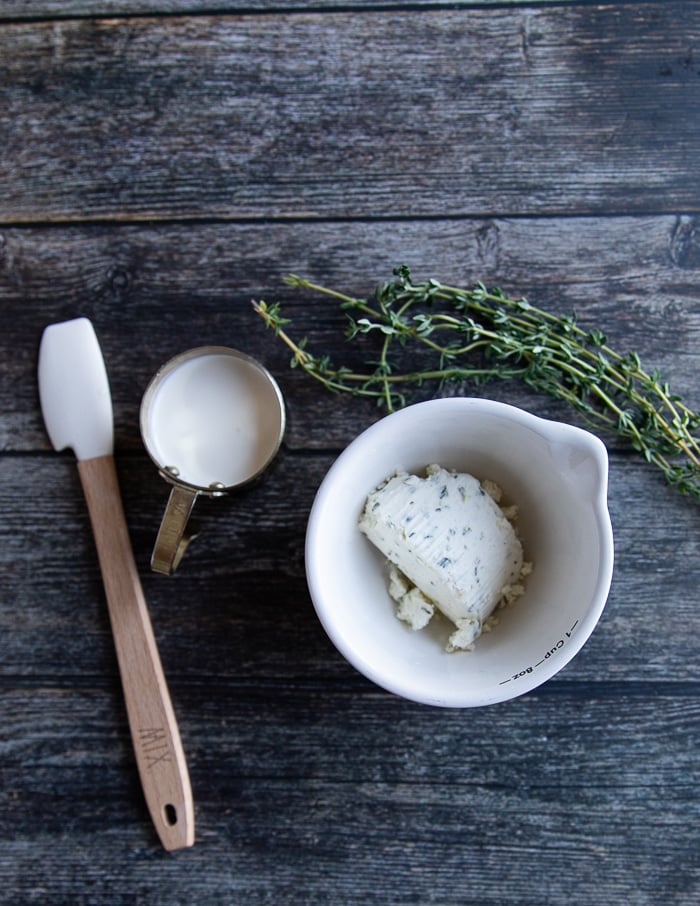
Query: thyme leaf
{"type": "Point", "coordinates": [478, 334]}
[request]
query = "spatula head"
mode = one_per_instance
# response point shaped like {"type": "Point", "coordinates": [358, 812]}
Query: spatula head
{"type": "Point", "coordinates": [74, 389]}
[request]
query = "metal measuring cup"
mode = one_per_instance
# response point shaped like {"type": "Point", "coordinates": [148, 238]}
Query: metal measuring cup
{"type": "Point", "coordinates": [212, 419]}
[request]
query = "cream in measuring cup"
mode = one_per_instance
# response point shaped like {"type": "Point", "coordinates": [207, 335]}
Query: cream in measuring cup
{"type": "Point", "coordinates": [212, 419]}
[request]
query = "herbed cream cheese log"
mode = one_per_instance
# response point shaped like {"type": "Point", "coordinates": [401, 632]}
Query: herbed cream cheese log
{"type": "Point", "coordinates": [451, 540]}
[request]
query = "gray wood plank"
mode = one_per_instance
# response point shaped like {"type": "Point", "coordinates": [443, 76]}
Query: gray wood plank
{"type": "Point", "coordinates": [543, 800]}
{"type": "Point", "coordinates": [153, 291]}
{"type": "Point", "coordinates": [37, 9]}
{"type": "Point", "coordinates": [381, 113]}
{"type": "Point", "coordinates": [239, 608]}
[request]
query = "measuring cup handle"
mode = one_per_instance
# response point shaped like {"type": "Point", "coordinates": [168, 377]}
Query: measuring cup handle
{"type": "Point", "coordinates": [172, 539]}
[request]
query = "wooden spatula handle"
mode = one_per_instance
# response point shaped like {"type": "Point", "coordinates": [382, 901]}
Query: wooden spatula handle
{"type": "Point", "coordinates": [156, 738]}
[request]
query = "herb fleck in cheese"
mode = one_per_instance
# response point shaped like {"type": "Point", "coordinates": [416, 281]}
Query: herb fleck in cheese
{"type": "Point", "coordinates": [452, 548]}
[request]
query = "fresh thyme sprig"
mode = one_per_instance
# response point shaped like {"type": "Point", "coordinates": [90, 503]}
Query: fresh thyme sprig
{"type": "Point", "coordinates": [479, 334]}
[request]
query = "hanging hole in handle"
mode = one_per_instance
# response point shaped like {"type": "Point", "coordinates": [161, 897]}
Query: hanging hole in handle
{"type": "Point", "coordinates": [170, 813]}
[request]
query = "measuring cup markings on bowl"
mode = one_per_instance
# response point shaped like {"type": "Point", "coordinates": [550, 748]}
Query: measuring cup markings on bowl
{"type": "Point", "coordinates": [556, 474]}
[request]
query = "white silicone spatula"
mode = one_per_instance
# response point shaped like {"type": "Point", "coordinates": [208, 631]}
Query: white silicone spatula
{"type": "Point", "coordinates": [77, 409]}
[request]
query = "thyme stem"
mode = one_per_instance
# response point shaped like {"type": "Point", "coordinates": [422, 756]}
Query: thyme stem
{"type": "Point", "coordinates": [479, 334]}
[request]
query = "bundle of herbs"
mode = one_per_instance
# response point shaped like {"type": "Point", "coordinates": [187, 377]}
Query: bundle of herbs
{"type": "Point", "coordinates": [479, 334]}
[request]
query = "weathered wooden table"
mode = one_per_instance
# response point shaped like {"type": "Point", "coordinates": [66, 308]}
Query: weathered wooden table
{"type": "Point", "coordinates": [162, 162]}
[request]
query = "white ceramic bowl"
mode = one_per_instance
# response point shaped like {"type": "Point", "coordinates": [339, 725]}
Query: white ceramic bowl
{"type": "Point", "coordinates": [555, 473]}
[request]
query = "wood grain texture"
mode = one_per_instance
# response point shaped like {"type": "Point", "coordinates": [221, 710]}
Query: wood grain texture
{"type": "Point", "coordinates": [154, 732]}
{"type": "Point", "coordinates": [540, 800]}
{"type": "Point", "coordinates": [204, 619]}
{"type": "Point", "coordinates": [442, 112]}
{"type": "Point", "coordinates": [38, 9]}
{"type": "Point", "coordinates": [152, 291]}
{"type": "Point", "coordinates": [156, 174]}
